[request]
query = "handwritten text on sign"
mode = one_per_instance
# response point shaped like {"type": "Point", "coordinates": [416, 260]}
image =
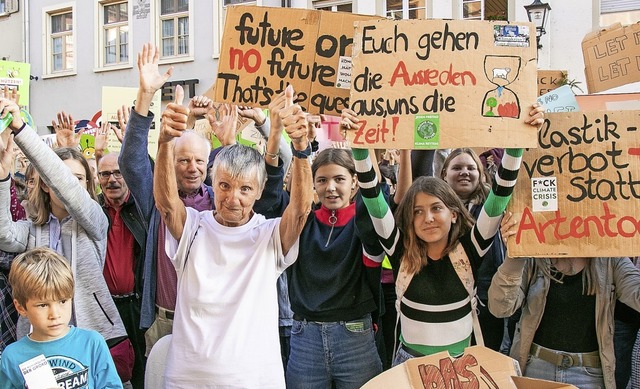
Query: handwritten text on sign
{"type": "Point", "coordinates": [434, 84]}
{"type": "Point", "coordinates": [611, 57]}
{"type": "Point", "coordinates": [265, 49]}
{"type": "Point", "coordinates": [595, 159]}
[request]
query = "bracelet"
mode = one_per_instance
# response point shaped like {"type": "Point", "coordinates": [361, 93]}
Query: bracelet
{"type": "Point", "coordinates": [302, 154]}
{"type": "Point", "coordinates": [271, 155]}
{"type": "Point", "coordinates": [24, 124]}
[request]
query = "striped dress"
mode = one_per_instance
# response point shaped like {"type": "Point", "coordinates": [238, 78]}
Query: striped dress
{"type": "Point", "coordinates": [435, 310]}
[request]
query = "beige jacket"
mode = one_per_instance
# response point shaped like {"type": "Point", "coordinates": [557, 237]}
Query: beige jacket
{"type": "Point", "coordinates": [519, 282]}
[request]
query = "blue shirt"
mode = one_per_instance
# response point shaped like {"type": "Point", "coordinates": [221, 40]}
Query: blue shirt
{"type": "Point", "coordinates": [80, 359]}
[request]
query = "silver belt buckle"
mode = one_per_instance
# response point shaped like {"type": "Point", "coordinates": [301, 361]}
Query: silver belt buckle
{"type": "Point", "coordinates": [567, 361]}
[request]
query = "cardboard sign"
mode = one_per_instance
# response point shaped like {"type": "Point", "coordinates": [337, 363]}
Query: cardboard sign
{"type": "Point", "coordinates": [609, 102]}
{"type": "Point", "coordinates": [559, 100]}
{"type": "Point", "coordinates": [429, 84]}
{"type": "Point", "coordinates": [578, 193]}
{"type": "Point", "coordinates": [478, 368]}
{"type": "Point", "coordinates": [611, 57]}
{"type": "Point", "coordinates": [549, 80]}
{"type": "Point", "coordinates": [265, 49]}
{"type": "Point", "coordinates": [113, 98]}
{"type": "Point", "coordinates": [16, 75]}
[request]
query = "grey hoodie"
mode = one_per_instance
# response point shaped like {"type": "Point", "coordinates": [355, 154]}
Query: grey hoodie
{"type": "Point", "coordinates": [83, 238]}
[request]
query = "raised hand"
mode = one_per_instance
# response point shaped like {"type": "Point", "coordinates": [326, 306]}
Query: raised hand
{"type": "Point", "coordinates": [225, 128]}
{"type": "Point", "coordinates": [174, 118]}
{"type": "Point", "coordinates": [150, 78]}
{"type": "Point", "coordinates": [255, 114]}
{"type": "Point", "coordinates": [199, 105]}
{"type": "Point", "coordinates": [100, 144]}
{"type": "Point", "coordinates": [294, 120]}
{"type": "Point", "coordinates": [65, 131]}
{"type": "Point", "coordinates": [275, 106]}
{"type": "Point", "coordinates": [123, 119]}
{"type": "Point", "coordinates": [11, 94]}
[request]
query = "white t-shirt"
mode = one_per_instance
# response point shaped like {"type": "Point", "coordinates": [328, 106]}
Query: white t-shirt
{"type": "Point", "coordinates": [225, 330]}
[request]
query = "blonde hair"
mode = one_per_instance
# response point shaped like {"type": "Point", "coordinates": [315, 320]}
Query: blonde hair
{"type": "Point", "coordinates": [40, 273]}
{"type": "Point", "coordinates": [589, 277]}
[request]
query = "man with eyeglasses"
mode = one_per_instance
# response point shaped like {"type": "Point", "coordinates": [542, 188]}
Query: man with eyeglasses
{"type": "Point", "coordinates": [126, 241]}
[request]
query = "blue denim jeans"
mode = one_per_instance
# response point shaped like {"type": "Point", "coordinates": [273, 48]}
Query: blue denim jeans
{"type": "Point", "coordinates": [401, 356]}
{"type": "Point", "coordinates": [581, 377]}
{"type": "Point", "coordinates": [343, 353]}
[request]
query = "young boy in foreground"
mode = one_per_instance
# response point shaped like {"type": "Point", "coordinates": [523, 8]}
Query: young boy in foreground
{"type": "Point", "coordinates": [42, 284]}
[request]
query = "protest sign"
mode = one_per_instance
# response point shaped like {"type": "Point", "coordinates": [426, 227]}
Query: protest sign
{"type": "Point", "coordinates": [559, 100]}
{"type": "Point", "coordinates": [609, 102]}
{"type": "Point", "coordinates": [429, 84]}
{"type": "Point", "coordinates": [16, 75]}
{"type": "Point", "coordinates": [549, 80]}
{"type": "Point", "coordinates": [113, 98]}
{"type": "Point", "coordinates": [611, 57]}
{"type": "Point", "coordinates": [479, 367]}
{"type": "Point", "coordinates": [264, 49]}
{"type": "Point", "coordinates": [578, 193]}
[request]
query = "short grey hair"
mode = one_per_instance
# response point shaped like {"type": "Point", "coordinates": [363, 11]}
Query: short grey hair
{"type": "Point", "coordinates": [240, 161]}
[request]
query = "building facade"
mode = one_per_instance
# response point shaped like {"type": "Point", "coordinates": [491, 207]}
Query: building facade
{"type": "Point", "coordinates": [77, 46]}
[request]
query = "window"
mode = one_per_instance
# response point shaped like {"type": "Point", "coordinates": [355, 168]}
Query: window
{"type": "Point", "coordinates": [3, 6]}
{"type": "Point", "coordinates": [114, 44]}
{"type": "Point", "coordinates": [472, 9]}
{"type": "Point", "coordinates": [220, 14]}
{"type": "Point", "coordinates": [406, 9]}
{"type": "Point", "coordinates": [619, 11]}
{"type": "Point", "coordinates": [335, 6]}
{"type": "Point", "coordinates": [174, 28]}
{"type": "Point", "coordinates": [60, 44]}
{"type": "Point", "coordinates": [484, 9]}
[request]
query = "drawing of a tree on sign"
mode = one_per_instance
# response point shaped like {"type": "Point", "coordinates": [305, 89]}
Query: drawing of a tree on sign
{"type": "Point", "coordinates": [501, 101]}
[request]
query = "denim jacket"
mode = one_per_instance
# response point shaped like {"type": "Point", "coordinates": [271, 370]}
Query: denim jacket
{"type": "Point", "coordinates": [519, 282]}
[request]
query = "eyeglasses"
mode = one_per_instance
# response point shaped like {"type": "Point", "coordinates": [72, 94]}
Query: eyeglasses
{"type": "Point", "coordinates": [107, 173]}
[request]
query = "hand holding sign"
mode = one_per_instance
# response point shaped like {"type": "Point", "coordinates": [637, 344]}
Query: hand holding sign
{"type": "Point", "coordinates": [536, 115]}
{"type": "Point", "coordinates": [295, 121]}
{"type": "Point", "coordinates": [174, 118]}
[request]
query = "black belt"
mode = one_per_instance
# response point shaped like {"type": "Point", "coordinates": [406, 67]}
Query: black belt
{"type": "Point", "coordinates": [121, 298]}
{"type": "Point", "coordinates": [411, 351]}
{"type": "Point", "coordinates": [162, 312]}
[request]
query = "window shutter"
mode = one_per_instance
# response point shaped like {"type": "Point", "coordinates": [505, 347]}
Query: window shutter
{"type": "Point", "coordinates": [12, 6]}
{"type": "Point", "coordinates": [611, 6]}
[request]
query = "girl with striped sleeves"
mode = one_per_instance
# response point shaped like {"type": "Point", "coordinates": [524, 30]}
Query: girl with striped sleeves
{"type": "Point", "coordinates": [435, 249]}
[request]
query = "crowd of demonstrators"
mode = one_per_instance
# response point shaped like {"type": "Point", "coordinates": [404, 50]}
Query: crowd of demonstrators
{"type": "Point", "coordinates": [200, 244]}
